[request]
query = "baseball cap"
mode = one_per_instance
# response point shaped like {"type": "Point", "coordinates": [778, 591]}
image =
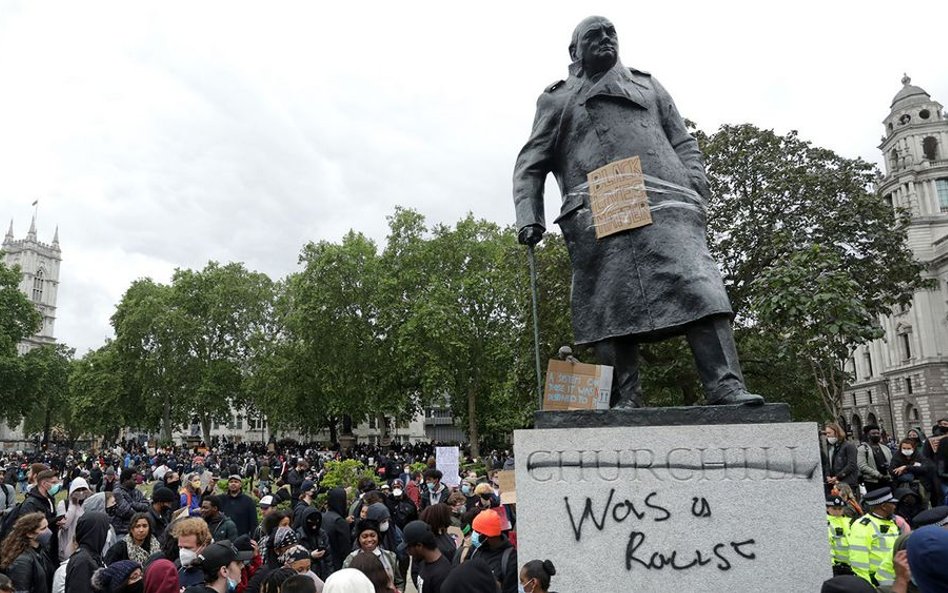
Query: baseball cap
{"type": "Point", "coordinates": [487, 523]}
{"type": "Point", "coordinates": [417, 532]}
{"type": "Point", "coordinates": [235, 477]}
{"type": "Point", "coordinates": [267, 501]}
{"type": "Point", "coordinates": [307, 486]}
{"type": "Point", "coordinates": [220, 554]}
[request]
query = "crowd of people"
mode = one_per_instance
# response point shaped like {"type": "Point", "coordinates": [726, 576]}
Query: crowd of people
{"type": "Point", "coordinates": [887, 510]}
{"type": "Point", "coordinates": [241, 518]}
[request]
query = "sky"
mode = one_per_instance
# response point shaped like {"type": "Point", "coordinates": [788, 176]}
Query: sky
{"type": "Point", "coordinates": [162, 135]}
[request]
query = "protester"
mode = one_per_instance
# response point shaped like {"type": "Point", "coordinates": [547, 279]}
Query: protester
{"type": "Point", "coordinates": [124, 576]}
{"type": "Point", "coordinates": [368, 538]}
{"type": "Point", "coordinates": [474, 576]}
{"type": "Point", "coordinates": [220, 564]}
{"type": "Point", "coordinates": [21, 556]}
{"type": "Point", "coordinates": [92, 532]}
{"type": "Point", "coordinates": [492, 546]}
{"type": "Point", "coordinates": [128, 501]}
{"type": "Point", "coordinates": [220, 524]}
{"type": "Point", "coordinates": [138, 544]}
{"type": "Point", "coordinates": [873, 460]}
{"type": "Point", "coordinates": [192, 536]}
{"type": "Point", "coordinates": [433, 565]}
{"type": "Point", "coordinates": [927, 550]}
{"type": "Point", "coordinates": [842, 465]}
{"type": "Point", "coordinates": [435, 491]}
{"type": "Point", "coordinates": [535, 576]}
{"type": "Point", "coordinates": [337, 528]}
{"type": "Point", "coordinates": [161, 576]}
{"type": "Point", "coordinates": [239, 507]}
{"type": "Point", "coordinates": [348, 580]}
{"type": "Point", "coordinates": [311, 535]}
{"type": "Point", "coordinates": [373, 568]}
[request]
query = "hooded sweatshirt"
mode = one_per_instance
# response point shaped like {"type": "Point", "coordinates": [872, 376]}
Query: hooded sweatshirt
{"type": "Point", "coordinates": [927, 549]}
{"type": "Point", "coordinates": [337, 530]}
{"type": "Point", "coordinates": [92, 531]}
{"type": "Point", "coordinates": [161, 576]}
{"type": "Point", "coordinates": [392, 536]}
{"type": "Point", "coordinates": [311, 535]}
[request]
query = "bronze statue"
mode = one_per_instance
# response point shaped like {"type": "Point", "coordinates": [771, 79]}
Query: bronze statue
{"type": "Point", "coordinates": [647, 283]}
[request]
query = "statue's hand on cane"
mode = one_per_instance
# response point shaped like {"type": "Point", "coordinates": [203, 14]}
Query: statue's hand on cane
{"type": "Point", "coordinates": [530, 235]}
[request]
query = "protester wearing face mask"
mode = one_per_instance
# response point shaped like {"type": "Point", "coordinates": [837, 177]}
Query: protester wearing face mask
{"type": "Point", "coordinates": [191, 495]}
{"type": "Point", "coordinates": [434, 491]}
{"type": "Point", "coordinates": [467, 489]}
{"type": "Point", "coordinates": [873, 460]}
{"type": "Point", "coordinates": [124, 576]}
{"type": "Point", "coordinates": [193, 536]}
{"type": "Point", "coordinates": [535, 576]}
{"type": "Point", "coordinates": [21, 557]}
{"type": "Point", "coordinates": [79, 491]}
{"type": "Point", "coordinates": [489, 544]}
{"type": "Point", "coordinates": [402, 510]}
{"type": "Point", "coordinates": [368, 540]}
{"type": "Point", "coordinates": [841, 464]}
{"type": "Point", "coordinates": [910, 469]}
{"type": "Point", "coordinates": [220, 565]}
{"type": "Point", "coordinates": [160, 511]}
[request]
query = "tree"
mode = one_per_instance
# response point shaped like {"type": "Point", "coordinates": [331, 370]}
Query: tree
{"type": "Point", "coordinates": [19, 319]}
{"type": "Point", "coordinates": [810, 253]}
{"type": "Point", "coordinates": [186, 348]}
{"type": "Point", "coordinates": [46, 402]}
{"type": "Point", "coordinates": [100, 403]}
{"type": "Point", "coordinates": [463, 327]}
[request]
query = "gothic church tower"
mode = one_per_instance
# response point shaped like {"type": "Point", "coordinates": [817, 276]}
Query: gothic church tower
{"type": "Point", "coordinates": [39, 264]}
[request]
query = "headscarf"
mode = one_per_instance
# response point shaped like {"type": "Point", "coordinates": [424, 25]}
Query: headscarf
{"type": "Point", "coordinates": [336, 501]}
{"type": "Point", "coordinates": [161, 576]}
{"type": "Point", "coordinates": [92, 531]}
{"type": "Point", "coordinates": [348, 580]}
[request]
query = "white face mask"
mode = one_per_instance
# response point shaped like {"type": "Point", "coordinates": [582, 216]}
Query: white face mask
{"type": "Point", "coordinates": [187, 557]}
{"type": "Point", "coordinates": [397, 492]}
{"type": "Point", "coordinates": [383, 526]}
{"type": "Point", "coordinates": [831, 440]}
{"type": "Point", "coordinates": [908, 452]}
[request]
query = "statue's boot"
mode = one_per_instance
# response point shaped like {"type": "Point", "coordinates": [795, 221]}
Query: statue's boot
{"type": "Point", "coordinates": [712, 343]}
{"type": "Point", "coordinates": [622, 354]}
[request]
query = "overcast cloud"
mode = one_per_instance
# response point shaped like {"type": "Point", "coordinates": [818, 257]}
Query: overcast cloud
{"type": "Point", "coordinates": [164, 134]}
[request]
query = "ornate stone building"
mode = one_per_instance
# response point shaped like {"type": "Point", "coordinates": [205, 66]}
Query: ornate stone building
{"type": "Point", "coordinates": [39, 263]}
{"type": "Point", "coordinates": [902, 380]}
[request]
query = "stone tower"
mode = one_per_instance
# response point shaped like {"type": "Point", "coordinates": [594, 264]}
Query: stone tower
{"type": "Point", "coordinates": [902, 381]}
{"type": "Point", "coordinates": [39, 263]}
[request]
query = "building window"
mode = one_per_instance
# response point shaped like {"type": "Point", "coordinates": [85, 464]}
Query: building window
{"type": "Point", "coordinates": [908, 385]}
{"type": "Point", "coordinates": [373, 422]}
{"type": "Point", "coordinates": [906, 346]}
{"type": "Point", "coordinates": [930, 148]}
{"type": "Point", "coordinates": [888, 201]}
{"type": "Point", "coordinates": [868, 360]}
{"type": "Point", "coordinates": [869, 394]}
{"type": "Point", "coordinates": [941, 187]}
{"type": "Point", "coordinates": [240, 422]}
{"type": "Point", "coordinates": [38, 286]}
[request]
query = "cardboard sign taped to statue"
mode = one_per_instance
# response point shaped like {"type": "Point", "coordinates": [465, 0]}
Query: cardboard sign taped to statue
{"type": "Point", "coordinates": [577, 386]}
{"type": "Point", "coordinates": [617, 197]}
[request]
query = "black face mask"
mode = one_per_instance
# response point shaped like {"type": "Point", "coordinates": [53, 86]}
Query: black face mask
{"type": "Point", "coordinates": [110, 511]}
{"type": "Point", "coordinates": [174, 486]}
{"type": "Point", "coordinates": [138, 587]}
{"type": "Point", "coordinates": [875, 438]}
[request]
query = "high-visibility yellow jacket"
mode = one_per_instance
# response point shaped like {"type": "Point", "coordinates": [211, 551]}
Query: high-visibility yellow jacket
{"type": "Point", "coordinates": [871, 544]}
{"type": "Point", "coordinates": [838, 531]}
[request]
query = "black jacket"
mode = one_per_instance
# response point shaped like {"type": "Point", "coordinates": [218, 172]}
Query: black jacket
{"type": "Point", "coordinates": [841, 463]}
{"type": "Point", "coordinates": [494, 558]}
{"type": "Point", "coordinates": [31, 571]}
{"type": "Point", "coordinates": [242, 511]}
{"type": "Point", "coordinates": [311, 535]}
{"type": "Point", "coordinates": [127, 503]}
{"type": "Point", "coordinates": [336, 527]}
{"type": "Point", "coordinates": [92, 530]}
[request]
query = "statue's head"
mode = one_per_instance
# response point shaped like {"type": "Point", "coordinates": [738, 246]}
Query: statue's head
{"type": "Point", "coordinates": [595, 45]}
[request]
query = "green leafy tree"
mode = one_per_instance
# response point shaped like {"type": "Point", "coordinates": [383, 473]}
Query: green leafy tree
{"type": "Point", "coordinates": [19, 319]}
{"type": "Point", "coordinates": [99, 401]}
{"type": "Point", "coordinates": [46, 405]}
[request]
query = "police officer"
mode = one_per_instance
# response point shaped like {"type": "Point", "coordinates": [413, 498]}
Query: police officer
{"type": "Point", "coordinates": [837, 525]}
{"type": "Point", "coordinates": [872, 539]}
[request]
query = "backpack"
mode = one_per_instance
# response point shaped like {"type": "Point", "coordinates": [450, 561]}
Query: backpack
{"type": "Point", "coordinates": [9, 519]}
{"type": "Point", "coordinates": [464, 551]}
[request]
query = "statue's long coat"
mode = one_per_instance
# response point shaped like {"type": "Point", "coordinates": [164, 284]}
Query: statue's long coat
{"type": "Point", "coordinates": [647, 282]}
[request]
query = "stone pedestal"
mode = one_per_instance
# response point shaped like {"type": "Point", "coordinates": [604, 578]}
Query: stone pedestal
{"type": "Point", "coordinates": [676, 507]}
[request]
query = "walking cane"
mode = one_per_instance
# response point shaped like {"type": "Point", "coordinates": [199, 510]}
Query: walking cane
{"type": "Point", "coordinates": [531, 256]}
